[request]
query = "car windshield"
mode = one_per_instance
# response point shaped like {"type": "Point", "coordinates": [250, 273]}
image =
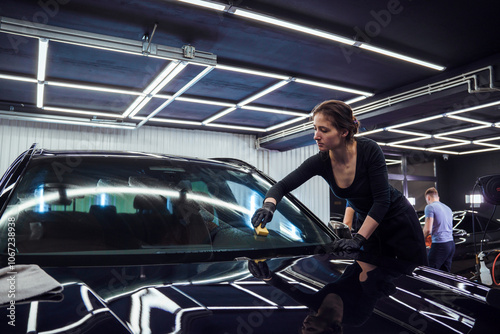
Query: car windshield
{"type": "Point", "coordinates": [104, 205]}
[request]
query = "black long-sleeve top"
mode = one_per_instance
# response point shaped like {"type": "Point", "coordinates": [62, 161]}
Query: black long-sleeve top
{"type": "Point", "coordinates": [358, 306]}
{"type": "Point", "coordinates": [369, 194]}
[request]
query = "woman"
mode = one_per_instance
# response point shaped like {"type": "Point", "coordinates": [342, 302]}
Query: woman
{"type": "Point", "coordinates": [355, 170]}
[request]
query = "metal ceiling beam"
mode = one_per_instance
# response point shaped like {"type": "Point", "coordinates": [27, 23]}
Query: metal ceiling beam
{"type": "Point", "coordinates": [100, 41]}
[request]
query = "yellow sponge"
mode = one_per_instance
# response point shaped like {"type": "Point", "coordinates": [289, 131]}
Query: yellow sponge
{"type": "Point", "coordinates": [262, 231]}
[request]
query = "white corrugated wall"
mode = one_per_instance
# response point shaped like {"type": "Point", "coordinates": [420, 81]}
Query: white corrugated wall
{"type": "Point", "coordinates": [17, 136]}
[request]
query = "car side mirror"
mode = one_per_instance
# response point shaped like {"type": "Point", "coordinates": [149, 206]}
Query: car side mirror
{"type": "Point", "coordinates": [341, 230]}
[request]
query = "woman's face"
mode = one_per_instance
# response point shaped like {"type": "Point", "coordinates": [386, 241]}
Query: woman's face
{"type": "Point", "coordinates": [326, 135]}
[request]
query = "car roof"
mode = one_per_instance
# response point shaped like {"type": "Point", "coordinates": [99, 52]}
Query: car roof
{"type": "Point", "coordinates": [227, 162]}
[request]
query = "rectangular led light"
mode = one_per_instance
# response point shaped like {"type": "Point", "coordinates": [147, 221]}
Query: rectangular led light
{"type": "Point", "coordinates": [481, 106]}
{"type": "Point", "coordinates": [470, 120]}
{"type": "Point", "coordinates": [82, 112]}
{"type": "Point", "coordinates": [277, 126]}
{"type": "Point", "coordinates": [253, 72]}
{"type": "Point", "coordinates": [40, 88]}
{"type": "Point", "coordinates": [17, 78]}
{"type": "Point", "coordinates": [463, 130]}
{"type": "Point", "coordinates": [219, 115]}
{"type": "Point", "coordinates": [402, 57]}
{"type": "Point", "coordinates": [168, 120]}
{"type": "Point", "coordinates": [292, 26]}
{"type": "Point", "coordinates": [202, 101]}
{"type": "Point", "coordinates": [236, 127]}
{"type": "Point", "coordinates": [333, 87]}
{"type": "Point", "coordinates": [356, 99]}
{"type": "Point", "coordinates": [206, 4]}
{"type": "Point", "coordinates": [134, 105]}
{"type": "Point", "coordinates": [94, 88]}
{"type": "Point", "coordinates": [172, 74]}
{"type": "Point", "coordinates": [276, 111]}
{"type": "Point", "coordinates": [160, 77]}
{"type": "Point", "coordinates": [263, 92]}
{"type": "Point", "coordinates": [43, 46]}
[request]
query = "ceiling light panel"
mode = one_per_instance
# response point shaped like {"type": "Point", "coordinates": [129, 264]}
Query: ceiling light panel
{"type": "Point", "coordinates": [178, 109]}
{"type": "Point", "coordinates": [101, 67]}
{"type": "Point", "coordinates": [71, 98]}
{"type": "Point", "coordinates": [230, 86]}
{"type": "Point", "coordinates": [245, 117]}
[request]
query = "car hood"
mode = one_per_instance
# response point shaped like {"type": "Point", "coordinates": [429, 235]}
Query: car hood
{"type": "Point", "coordinates": [223, 297]}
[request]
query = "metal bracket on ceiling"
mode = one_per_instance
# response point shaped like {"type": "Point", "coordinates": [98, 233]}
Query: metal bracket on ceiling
{"type": "Point", "coordinates": [147, 48]}
{"type": "Point", "coordinates": [189, 51]}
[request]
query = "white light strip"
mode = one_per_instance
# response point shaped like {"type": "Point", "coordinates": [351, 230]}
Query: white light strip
{"type": "Point", "coordinates": [206, 4]}
{"type": "Point", "coordinates": [250, 71]}
{"type": "Point", "coordinates": [369, 132]}
{"type": "Point", "coordinates": [17, 78]}
{"type": "Point", "coordinates": [276, 111]}
{"type": "Point", "coordinates": [39, 95]}
{"type": "Point", "coordinates": [168, 120]}
{"type": "Point", "coordinates": [411, 133]}
{"type": "Point", "coordinates": [420, 148]}
{"type": "Point", "coordinates": [263, 92]}
{"type": "Point", "coordinates": [400, 56]}
{"type": "Point", "coordinates": [452, 139]}
{"type": "Point", "coordinates": [414, 122]}
{"type": "Point", "coordinates": [470, 120]}
{"type": "Point", "coordinates": [202, 101]}
{"type": "Point", "coordinates": [133, 106]}
{"type": "Point", "coordinates": [140, 105]}
{"type": "Point", "coordinates": [437, 148]}
{"type": "Point", "coordinates": [94, 88]}
{"type": "Point", "coordinates": [486, 144]}
{"type": "Point", "coordinates": [179, 92]}
{"type": "Point", "coordinates": [169, 77]}
{"type": "Point", "coordinates": [288, 25]}
{"type": "Point", "coordinates": [486, 139]}
{"type": "Point", "coordinates": [463, 130]}
{"type": "Point", "coordinates": [219, 115]}
{"type": "Point", "coordinates": [74, 121]}
{"type": "Point", "coordinates": [356, 99]}
{"type": "Point", "coordinates": [482, 106]}
{"type": "Point", "coordinates": [277, 126]}
{"type": "Point", "coordinates": [409, 140]}
{"type": "Point", "coordinates": [480, 151]}
{"type": "Point", "coordinates": [160, 77]}
{"type": "Point", "coordinates": [333, 87]}
{"type": "Point", "coordinates": [235, 127]}
{"type": "Point", "coordinates": [43, 46]}
{"type": "Point", "coordinates": [82, 112]}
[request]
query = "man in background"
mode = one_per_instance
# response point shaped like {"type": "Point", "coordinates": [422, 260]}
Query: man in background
{"type": "Point", "coordinates": [439, 224]}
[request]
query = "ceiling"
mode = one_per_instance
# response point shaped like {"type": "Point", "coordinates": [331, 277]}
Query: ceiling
{"type": "Point", "coordinates": [126, 64]}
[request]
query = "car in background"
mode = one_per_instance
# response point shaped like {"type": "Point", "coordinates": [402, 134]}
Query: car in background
{"type": "Point", "coordinates": [471, 239]}
{"type": "Point", "coordinates": [151, 243]}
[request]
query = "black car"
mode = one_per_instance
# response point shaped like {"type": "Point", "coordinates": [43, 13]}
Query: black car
{"type": "Point", "coordinates": [126, 242]}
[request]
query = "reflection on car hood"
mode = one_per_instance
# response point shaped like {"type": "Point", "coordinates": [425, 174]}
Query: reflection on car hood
{"type": "Point", "coordinates": [223, 297]}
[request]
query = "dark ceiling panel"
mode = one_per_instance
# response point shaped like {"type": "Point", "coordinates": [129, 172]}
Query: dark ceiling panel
{"type": "Point", "coordinates": [82, 64]}
{"type": "Point", "coordinates": [97, 101]}
{"type": "Point", "coordinates": [18, 55]}
{"type": "Point", "coordinates": [189, 111]}
{"type": "Point", "coordinates": [251, 118]}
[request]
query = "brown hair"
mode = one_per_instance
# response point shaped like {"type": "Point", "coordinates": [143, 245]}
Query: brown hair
{"type": "Point", "coordinates": [431, 191]}
{"type": "Point", "coordinates": [340, 115]}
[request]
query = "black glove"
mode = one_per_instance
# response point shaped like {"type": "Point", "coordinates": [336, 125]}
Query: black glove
{"type": "Point", "coordinates": [263, 215]}
{"type": "Point", "coordinates": [259, 269]}
{"type": "Point", "coordinates": [353, 244]}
